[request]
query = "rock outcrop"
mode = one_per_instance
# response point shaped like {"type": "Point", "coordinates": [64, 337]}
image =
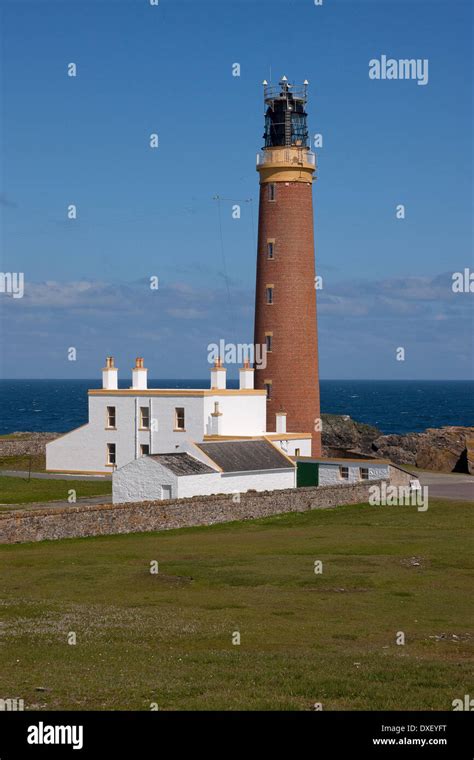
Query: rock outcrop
{"type": "Point", "coordinates": [341, 433]}
{"type": "Point", "coordinates": [446, 449]}
{"type": "Point", "coordinates": [439, 449]}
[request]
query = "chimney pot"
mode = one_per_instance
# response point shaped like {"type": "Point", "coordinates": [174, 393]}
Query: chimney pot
{"type": "Point", "coordinates": [280, 422]}
{"type": "Point", "coordinates": [218, 375]}
{"type": "Point", "coordinates": [110, 375]}
{"type": "Point", "coordinates": [246, 376]}
{"type": "Point", "coordinates": [216, 420]}
{"type": "Point", "coordinates": [139, 375]}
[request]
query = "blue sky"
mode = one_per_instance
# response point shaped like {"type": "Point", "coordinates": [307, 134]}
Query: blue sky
{"type": "Point", "coordinates": [143, 212]}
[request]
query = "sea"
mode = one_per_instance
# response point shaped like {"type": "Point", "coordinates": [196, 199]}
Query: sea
{"type": "Point", "coordinates": [393, 406]}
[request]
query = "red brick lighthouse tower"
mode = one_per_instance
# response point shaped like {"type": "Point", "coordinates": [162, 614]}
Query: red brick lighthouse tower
{"type": "Point", "coordinates": [285, 308]}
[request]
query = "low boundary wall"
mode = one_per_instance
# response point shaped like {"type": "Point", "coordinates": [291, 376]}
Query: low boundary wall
{"type": "Point", "coordinates": [107, 519]}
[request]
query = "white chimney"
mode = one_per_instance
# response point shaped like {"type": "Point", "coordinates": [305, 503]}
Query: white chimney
{"type": "Point", "coordinates": [280, 422]}
{"type": "Point", "coordinates": [216, 420]}
{"type": "Point", "coordinates": [218, 376]}
{"type": "Point", "coordinates": [110, 375]}
{"type": "Point", "coordinates": [246, 375]}
{"type": "Point", "coordinates": [139, 375]}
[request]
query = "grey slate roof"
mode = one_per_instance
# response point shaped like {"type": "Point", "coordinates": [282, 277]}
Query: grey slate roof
{"type": "Point", "coordinates": [182, 464]}
{"type": "Point", "coordinates": [239, 456]}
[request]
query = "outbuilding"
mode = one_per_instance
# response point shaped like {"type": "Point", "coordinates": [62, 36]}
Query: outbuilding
{"type": "Point", "coordinates": [233, 466]}
{"type": "Point", "coordinates": [322, 471]}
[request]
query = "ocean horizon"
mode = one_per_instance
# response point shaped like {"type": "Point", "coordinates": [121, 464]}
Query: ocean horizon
{"type": "Point", "coordinates": [393, 406]}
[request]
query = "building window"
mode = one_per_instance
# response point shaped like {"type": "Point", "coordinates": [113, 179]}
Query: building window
{"type": "Point", "coordinates": [145, 417]}
{"type": "Point", "coordinates": [364, 473]}
{"type": "Point", "coordinates": [268, 342]}
{"type": "Point", "coordinates": [271, 192]}
{"type": "Point", "coordinates": [269, 293]}
{"type": "Point", "coordinates": [268, 388]}
{"type": "Point", "coordinates": [144, 449]}
{"type": "Point", "coordinates": [111, 453]}
{"type": "Point", "coordinates": [179, 418]}
{"type": "Point", "coordinates": [297, 452]}
{"type": "Point", "coordinates": [111, 416]}
{"type": "Point", "coordinates": [271, 249]}
{"type": "Point", "coordinates": [344, 473]}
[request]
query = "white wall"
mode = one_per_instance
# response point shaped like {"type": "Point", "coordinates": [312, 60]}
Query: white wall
{"type": "Point", "coordinates": [329, 473]}
{"type": "Point", "coordinates": [85, 449]}
{"type": "Point", "coordinates": [76, 451]}
{"type": "Point", "coordinates": [164, 439]}
{"type": "Point", "coordinates": [241, 415]}
{"type": "Point", "coordinates": [257, 480]}
{"type": "Point", "coordinates": [289, 446]}
{"type": "Point", "coordinates": [141, 480]}
{"type": "Point", "coordinates": [260, 480]}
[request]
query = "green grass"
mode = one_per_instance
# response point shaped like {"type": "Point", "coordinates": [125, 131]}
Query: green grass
{"type": "Point", "coordinates": [305, 638]}
{"type": "Point", "coordinates": [24, 491]}
{"type": "Point", "coordinates": [35, 462]}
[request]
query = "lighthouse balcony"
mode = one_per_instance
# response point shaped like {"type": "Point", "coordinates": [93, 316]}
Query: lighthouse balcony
{"type": "Point", "coordinates": [286, 156]}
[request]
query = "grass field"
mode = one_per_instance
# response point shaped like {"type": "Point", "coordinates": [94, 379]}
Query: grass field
{"type": "Point", "coordinates": [166, 638]}
{"type": "Point", "coordinates": [24, 491]}
{"type": "Point", "coordinates": [33, 462]}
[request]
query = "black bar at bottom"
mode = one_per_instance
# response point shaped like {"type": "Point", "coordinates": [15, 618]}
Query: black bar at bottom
{"type": "Point", "coordinates": [151, 734]}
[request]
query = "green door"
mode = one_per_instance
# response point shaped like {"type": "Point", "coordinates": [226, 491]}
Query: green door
{"type": "Point", "coordinates": [307, 474]}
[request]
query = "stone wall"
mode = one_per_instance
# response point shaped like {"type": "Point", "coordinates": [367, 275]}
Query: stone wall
{"type": "Point", "coordinates": [25, 443]}
{"type": "Point", "coordinates": [105, 519]}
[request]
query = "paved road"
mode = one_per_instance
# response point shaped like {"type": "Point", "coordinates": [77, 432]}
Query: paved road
{"type": "Point", "coordinates": [448, 485]}
{"type": "Point", "coordinates": [52, 475]}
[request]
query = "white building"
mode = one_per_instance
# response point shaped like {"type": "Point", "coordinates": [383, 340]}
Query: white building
{"type": "Point", "coordinates": [325, 471]}
{"type": "Point", "coordinates": [215, 467]}
{"type": "Point", "coordinates": [127, 423]}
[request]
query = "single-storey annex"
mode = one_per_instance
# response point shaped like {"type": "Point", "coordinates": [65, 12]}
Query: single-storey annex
{"type": "Point", "coordinates": [233, 466]}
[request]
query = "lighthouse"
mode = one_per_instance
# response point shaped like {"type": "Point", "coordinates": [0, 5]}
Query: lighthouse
{"type": "Point", "coordinates": [285, 307]}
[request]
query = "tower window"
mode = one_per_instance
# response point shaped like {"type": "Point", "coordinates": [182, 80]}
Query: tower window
{"type": "Point", "coordinates": [297, 452]}
{"type": "Point", "coordinates": [268, 341]}
{"type": "Point", "coordinates": [271, 192]}
{"type": "Point", "coordinates": [111, 419]}
{"type": "Point", "coordinates": [111, 453]}
{"type": "Point", "coordinates": [179, 418]}
{"type": "Point", "coordinates": [268, 388]}
{"type": "Point", "coordinates": [269, 293]}
{"type": "Point", "coordinates": [144, 449]}
{"type": "Point", "coordinates": [145, 417]}
{"type": "Point", "coordinates": [271, 249]}
{"type": "Point", "coordinates": [344, 473]}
